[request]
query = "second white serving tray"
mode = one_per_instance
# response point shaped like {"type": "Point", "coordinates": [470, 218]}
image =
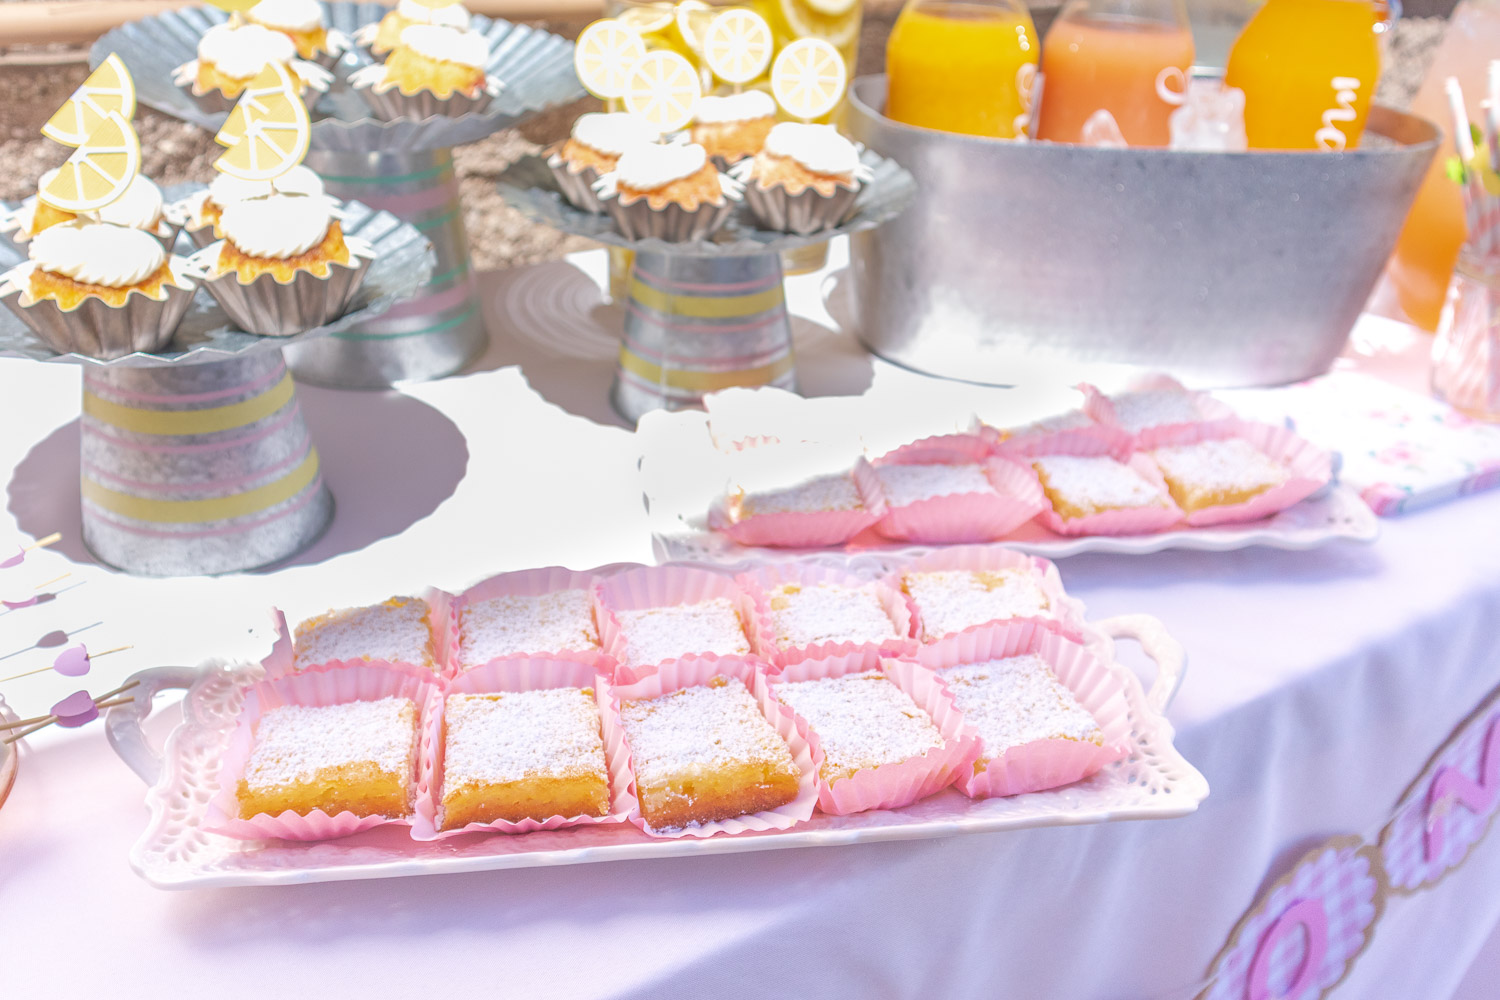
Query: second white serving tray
{"type": "Point", "coordinates": [1153, 781]}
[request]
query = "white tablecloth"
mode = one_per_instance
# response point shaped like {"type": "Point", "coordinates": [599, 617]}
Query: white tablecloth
{"type": "Point", "coordinates": [1319, 684]}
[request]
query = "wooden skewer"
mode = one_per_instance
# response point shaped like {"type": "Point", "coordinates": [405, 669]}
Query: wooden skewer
{"type": "Point", "coordinates": [47, 583]}
{"type": "Point", "coordinates": [42, 543]}
{"type": "Point", "coordinates": [43, 670]}
{"type": "Point", "coordinates": [38, 724]}
{"type": "Point", "coordinates": [98, 702]}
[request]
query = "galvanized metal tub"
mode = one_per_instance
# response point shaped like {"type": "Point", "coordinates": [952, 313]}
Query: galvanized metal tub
{"type": "Point", "coordinates": [1032, 260]}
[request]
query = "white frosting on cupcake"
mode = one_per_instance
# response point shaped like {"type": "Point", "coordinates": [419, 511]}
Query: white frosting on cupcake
{"type": "Point", "coordinates": [98, 253]}
{"type": "Point", "coordinates": [612, 133]}
{"type": "Point", "coordinates": [299, 180]}
{"type": "Point", "coordinates": [138, 208]}
{"type": "Point", "coordinates": [287, 15]}
{"type": "Point", "coordinates": [278, 227]}
{"type": "Point", "coordinates": [243, 52]}
{"type": "Point", "coordinates": [467, 48]}
{"type": "Point", "coordinates": [226, 190]}
{"type": "Point", "coordinates": [454, 15]}
{"type": "Point", "coordinates": [652, 166]}
{"type": "Point", "coordinates": [819, 148]}
{"type": "Point", "coordinates": [735, 108]}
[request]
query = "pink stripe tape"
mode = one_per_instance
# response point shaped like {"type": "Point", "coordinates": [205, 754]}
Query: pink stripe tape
{"type": "Point", "coordinates": [188, 449]}
{"type": "Point", "coordinates": [104, 388]}
{"type": "Point", "coordinates": [211, 486]}
{"type": "Point", "coordinates": [775, 316]}
{"type": "Point", "coordinates": [307, 497]}
{"type": "Point", "coordinates": [706, 362]}
{"type": "Point", "coordinates": [405, 205]}
{"type": "Point", "coordinates": [428, 304]}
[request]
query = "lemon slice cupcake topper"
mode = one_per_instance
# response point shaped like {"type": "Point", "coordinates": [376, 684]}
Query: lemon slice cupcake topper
{"type": "Point", "coordinates": [737, 45]}
{"type": "Point", "coordinates": [233, 6]}
{"type": "Point", "coordinates": [108, 88]}
{"type": "Point", "coordinates": [268, 131]}
{"type": "Point", "coordinates": [808, 78]}
{"type": "Point", "coordinates": [605, 52]}
{"type": "Point", "coordinates": [663, 88]}
{"type": "Point", "coordinates": [99, 170]}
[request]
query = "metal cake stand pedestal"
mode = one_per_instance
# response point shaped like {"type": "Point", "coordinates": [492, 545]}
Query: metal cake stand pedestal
{"type": "Point", "coordinates": [404, 167]}
{"type": "Point", "coordinates": [709, 314]}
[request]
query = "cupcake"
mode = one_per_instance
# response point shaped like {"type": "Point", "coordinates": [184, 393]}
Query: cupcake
{"type": "Point", "coordinates": [231, 55]}
{"type": "Point", "coordinates": [284, 265]}
{"type": "Point", "coordinates": [384, 35]}
{"type": "Point", "coordinates": [592, 151]}
{"type": "Point", "coordinates": [99, 289]}
{"type": "Point", "coordinates": [140, 207]}
{"type": "Point", "coordinates": [302, 22]}
{"type": "Point", "coordinates": [199, 213]}
{"type": "Point", "coordinates": [733, 127]}
{"type": "Point", "coordinates": [670, 192]}
{"type": "Point", "coordinates": [34, 215]}
{"type": "Point", "coordinates": [804, 180]}
{"type": "Point", "coordinates": [433, 71]}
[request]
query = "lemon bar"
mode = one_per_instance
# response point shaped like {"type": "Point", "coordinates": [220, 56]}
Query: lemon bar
{"type": "Point", "coordinates": [1015, 701]}
{"type": "Point", "coordinates": [1079, 485]}
{"type": "Point", "coordinates": [952, 600]}
{"type": "Point", "coordinates": [522, 755]}
{"type": "Point", "coordinates": [909, 484]}
{"type": "Point", "coordinates": [356, 757]}
{"type": "Point", "coordinates": [1139, 411]}
{"type": "Point", "coordinates": [562, 621]}
{"type": "Point", "coordinates": [706, 753]}
{"type": "Point", "coordinates": [397, 631]}
{"type": "Point", "coordinates": [1217, 473]}
{"type": "Point", "coordinates": [823, 493]}
{"type": "Point", "coordinates": [828, 612]}
{"type": "Point", "coordinates": [665, 633]}
{"type": "Point", "coordinates": [862, 720]}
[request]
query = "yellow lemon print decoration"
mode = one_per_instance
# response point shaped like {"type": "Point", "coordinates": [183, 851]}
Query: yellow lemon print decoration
{"type": "Point", "coordinates": [663, 88]}
{"type": "Point", "coordinates": [808, 78]}
{"type": "Point", "coordinates": [605, 52]}
{"type": "Point", "coordinates": [99, 170]}
{"type": "Point", "coordinates": [108, 88]}
{"type": "Point", "coordinates": [267, 132]}
{"type": "Point", "coordinates": [737, 45]}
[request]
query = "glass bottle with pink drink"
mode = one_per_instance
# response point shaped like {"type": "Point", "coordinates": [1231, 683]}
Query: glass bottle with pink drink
{"type": "Point", "coordinates": [1130, 58]}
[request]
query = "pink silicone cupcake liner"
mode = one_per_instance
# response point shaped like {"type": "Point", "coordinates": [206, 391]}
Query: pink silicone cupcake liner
{"type": "Point", "coordinates": [760, 582]}
{"type": "Point", "coordinates": [439, 619]}
{"type": "Point", "coordinates": [805, 529]}
{"type": "Point", "coordinates": [1131, 521]}
{"type": "Point", "coordinates": [939, 449]}
{"type": "Point", "coordinates": [1065, 614]}
{"type": "Point", "coordinates": [526, 583]}
{"type": "Point", "coordinates": [659, 587]}
{"type": "Point", "coordinates": [521, 674]}
{"type": "Point", "coordinates": [968, 517]}
{"type": "Point", "coordinates": [1214, 413]}
{"type": "Point", "coordinates": [327, 684]}
{"type": "Point", "coordinates": [1042, 763]}
{"type": "Point", "coordinates": [889, 786]}
{"type": "Point", "coordinates": [1311, 468]}
{"type": "Point", "coordinates": [675, 675]}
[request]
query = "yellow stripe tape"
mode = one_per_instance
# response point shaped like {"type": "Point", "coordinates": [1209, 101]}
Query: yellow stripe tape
{"type": "Point", "coordinates": [177, 422]}
{"type": "Point", "coordinates": [699, 381]}
{"type": "Point", "coordinates": [706, 307]}
{"type": "Point", "coordinates": [201, 511]}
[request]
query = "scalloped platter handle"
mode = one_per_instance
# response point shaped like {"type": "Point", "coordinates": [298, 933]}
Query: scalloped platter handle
{"type": "Point", "coordinates": [122, 726]}
{"type": "Point", "coordinates": [1166, 652]}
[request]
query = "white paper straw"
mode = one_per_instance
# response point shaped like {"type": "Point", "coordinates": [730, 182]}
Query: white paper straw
{"type": "Point", "coordinates": [1463, 143]}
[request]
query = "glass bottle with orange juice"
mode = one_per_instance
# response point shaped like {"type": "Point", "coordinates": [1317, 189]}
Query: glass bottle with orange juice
{"type": "Point", "coordinates": [962, 66]}
{"type": "Point", "coordinates": [1131, 58]}
{"type": "Point", "coordinates": [1308, 70]}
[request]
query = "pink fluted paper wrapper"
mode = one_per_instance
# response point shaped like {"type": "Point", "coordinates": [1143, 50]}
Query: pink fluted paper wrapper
{"type": "Point", "coordinates": [759, 583]}
{"type": "Point", "coordinates": [1214, 414]}
{"type": "Point", "coordinates": [328, 684]}
{"type": "Point", "coordinates": [1130, 521]}
{"type": "Point", "coordinates": [526, 583]}
{"type": "Point", "coordinates": [1311, 468]}
{"type": "Point", "coordinates": [940, 449]}
{"type": "Point", "coordinates": [523, 674]}
{"type": "Point", "coordinates": [1053, 435]}
{"type": "Point", "coordinates": [1040, 764]}
{"type": "Point", "coordinates": [890, 786]}
{"type": "Point", "coordinates": [439, 618]}
{"type": "Point", "coordinates": [967, 517]}
{"type": "Point", "coordinates": [1064, 613]}
{"type": "Point", "coordinates": [675, 675]}
{"type": "Point", "coordinates": [805, 530]}
{"type": "Point", "coordinates": [658, 587]}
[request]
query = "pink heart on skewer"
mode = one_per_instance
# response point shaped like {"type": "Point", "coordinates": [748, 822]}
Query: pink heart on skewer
{"type": "Point", "coordinates": [73, 661]}
{"type": "Point", "coordinates": [15, 601]}
{"type": "Point", "coordinates": [77, 709]}
{"type": "Point", "coordinates": [14, 560]}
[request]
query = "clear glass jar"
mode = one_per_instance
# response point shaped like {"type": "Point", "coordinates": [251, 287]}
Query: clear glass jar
{"type": "Point", "coordinates": [1466, 351]}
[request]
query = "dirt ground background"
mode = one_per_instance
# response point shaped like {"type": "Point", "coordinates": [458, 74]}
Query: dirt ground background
{"type": "Point", "coordinates": [175, 151]}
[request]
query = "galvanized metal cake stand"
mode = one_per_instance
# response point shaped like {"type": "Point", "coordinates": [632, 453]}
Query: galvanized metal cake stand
{"type": "Point", "coordinates": [705, 315]}
{"type": "Point", "coordinates": [404, 167]}
{"type": "Point", "coordinates": [196, 460]}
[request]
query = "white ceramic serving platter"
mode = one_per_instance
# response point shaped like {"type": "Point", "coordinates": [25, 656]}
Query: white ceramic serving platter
{"type": "Point", "coordinates": [683, 473]}
{"type": "Point", "coordinates": [1153, 782]}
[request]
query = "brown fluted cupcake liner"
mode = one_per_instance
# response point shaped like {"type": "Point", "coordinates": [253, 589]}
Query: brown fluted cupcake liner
{"type": "Point", "coordinates": [804, 213]}
{"type": "Point", "coordinates": [99, 330]}
{"type": "Point", "coordinates": [577, 186]}
{"type": "Point", "coordinates": [389, 103]}
{"type": "Point", "coordinates": [270, 308]}
{"type": "Point", "coordinates": [671, 223]}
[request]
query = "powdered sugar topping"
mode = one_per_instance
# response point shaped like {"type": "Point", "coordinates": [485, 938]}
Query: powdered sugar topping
{"type": "Point", "coordinates": [819, 494]}
{"type": "Point", "coordinates": [562, 621]}
{"type": "Point", "coordinates": [711, 727]}
{"type": "Point", "coordinates": [294, 742]}
{"type": "Point", "coordinates": [1137, 411]}
{"type": "Point", "coordinates": [828, 612]}
{"type": "Point", "coordinates": [907, 484]}
{"type": "Point", "coordinates": [861, 719]}
{"type": "Point", "coordinates": [493, 739]}
{"type": "Point", "coordinates": [1018, 700]}
{"type": "Point", "coordinates": [1230, 464]}
{"type": "Point", "coordinates": [396, 631]}
{"type": "Point", "coordinates": [1096, 482]}
{"type": "Point", "coordinates": [952, 600]}
{"type": "Point", "coordinates": [653, 635]}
